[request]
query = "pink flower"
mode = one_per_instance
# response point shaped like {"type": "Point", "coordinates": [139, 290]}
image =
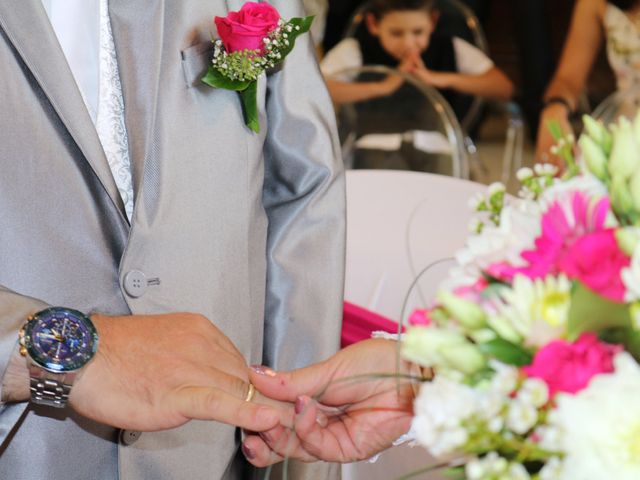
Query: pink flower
{"type": "Point", "coordinates": [569, 367]}
{"type": "Point", "coordinates": [596, 260]}
{"type": "Point", "coordinates": [246, 29]}
{"type": "Point", "coordinates": [559, 232]}
{"type": "Point", "coordinates": [420, 318]}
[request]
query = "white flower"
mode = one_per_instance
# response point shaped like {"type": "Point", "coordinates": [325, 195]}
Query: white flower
{"type": "Point", "coordinates": [522, 416]}
{"type": "Point", "coordinates": [537, 309]}
{"type": "Point", "coordinates": [552, 470]}
{"type": "Point", "coordinates": [545, 169]}
{"type": "Point", "coordinates": [492, 467]}
{"type": "Point", "coordinates": [600, 426]}
{"type": "Point", "coordinates": [534, 391]}
{"type": "Point", "coordinates": [496, 187]}
{"type": "Point", "coordinates": [505, 380]}
{"type": "Point", "coordinates": [439, 411]}
{"type": "Point", "coordinates": [519, 227]}
{"type": "Point", "coordinates": [524, 173]}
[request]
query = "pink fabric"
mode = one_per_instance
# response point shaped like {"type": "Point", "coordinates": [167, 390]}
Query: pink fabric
{"type": "Point", "coordinates": [359, 323]}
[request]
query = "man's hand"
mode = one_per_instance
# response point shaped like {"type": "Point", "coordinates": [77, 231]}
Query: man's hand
{"type": "Point", "coordinates": [158, 372]}
{"type": "Point", "coordinates": [363, 406]}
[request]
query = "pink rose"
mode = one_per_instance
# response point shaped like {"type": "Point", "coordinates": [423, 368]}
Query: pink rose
{"type": "Point", "coordinates": [596, 260]}
{"type": "Point", "coordinates": [246, 29]}
{"type": "Point", "coordinates": [568, 367]}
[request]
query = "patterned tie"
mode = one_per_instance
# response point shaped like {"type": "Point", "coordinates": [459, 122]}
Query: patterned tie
{"type": "Point", "coordinates": [110, 122]}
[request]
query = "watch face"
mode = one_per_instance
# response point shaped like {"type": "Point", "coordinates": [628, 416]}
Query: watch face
{"type": "Point", "coordinates": [60, 339]}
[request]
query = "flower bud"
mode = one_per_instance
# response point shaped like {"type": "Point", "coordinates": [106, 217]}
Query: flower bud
{"type": "Point", "coordinates": [598, 133]}
{"type": "Point", "coordinates": [621, 199]}
{"type": "Point", "coordinates": [594, 157]}
{"type": "Point", "coordinates": [634, 188]}
{"type": "Point", "coordinates": [467, 313]}
{"type": "Point", "coordinates": [436, 347]}
{"type": "Point", "coordinates": [624, 155]}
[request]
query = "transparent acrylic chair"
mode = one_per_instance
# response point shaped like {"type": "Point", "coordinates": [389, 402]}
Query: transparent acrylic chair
{"type": "Point", "coordinates": [619, 104]}
{"type": "Point", "coordinates": [457, 19]}
{"type": "Point", "coordinates": [411, 129]}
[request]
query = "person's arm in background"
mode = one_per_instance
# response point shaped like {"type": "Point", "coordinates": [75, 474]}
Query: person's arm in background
{"type": "Point", "coordinates": [337, 68]}
{"type": "Point", "coordinates": [476, 74]}
{"type": "Point", "coordinates": [579, 53]}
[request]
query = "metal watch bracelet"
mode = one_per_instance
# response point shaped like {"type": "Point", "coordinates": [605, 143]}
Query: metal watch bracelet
{"type": "Point", "coordinates": [49, 388]}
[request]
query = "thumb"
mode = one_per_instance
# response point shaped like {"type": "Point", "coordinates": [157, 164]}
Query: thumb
{"type": "Point", "coordinates": [288, 386]}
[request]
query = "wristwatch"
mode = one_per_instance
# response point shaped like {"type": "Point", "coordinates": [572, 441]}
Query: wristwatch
{"type": "Point", "coordinates": [58, 342]}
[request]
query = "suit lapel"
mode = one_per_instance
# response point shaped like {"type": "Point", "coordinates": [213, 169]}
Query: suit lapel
{"type": "Point", "coordinates": [138, 30]}
{"type": "Point", "coordinates": [30, 31]}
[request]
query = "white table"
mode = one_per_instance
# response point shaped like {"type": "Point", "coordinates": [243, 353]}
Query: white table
{"type": "Point", "coordinates": [398, 223]}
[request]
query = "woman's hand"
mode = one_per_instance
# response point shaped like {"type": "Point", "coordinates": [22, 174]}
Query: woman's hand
{"type": "Point", "coordinates": [361, 406]}
{"type": "Point", "coordinates": [553, 112]}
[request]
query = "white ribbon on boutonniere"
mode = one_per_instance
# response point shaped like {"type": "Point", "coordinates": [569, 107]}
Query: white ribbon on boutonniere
{"type": "Point", "coordinates": [251, 40]}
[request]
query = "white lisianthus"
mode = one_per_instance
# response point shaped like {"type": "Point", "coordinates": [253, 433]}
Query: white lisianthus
{"type": "Point", "coordinates": [600, 426]}
{"type": "Point", "coordinates": [537, 309]}
{"type": "Point", "coordinates": [439, 412]}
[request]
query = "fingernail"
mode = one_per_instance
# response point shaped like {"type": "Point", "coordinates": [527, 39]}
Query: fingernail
{"type": "Point", "coordinates": [300, 404]}
{"type": "Point", "coordinates": [248, 452]}
{"type": "Point", "coordinates": [262, 370]}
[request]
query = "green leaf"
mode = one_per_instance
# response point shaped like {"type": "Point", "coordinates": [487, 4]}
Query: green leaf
{"type": "Point", "coordinates": [304, 24]}
{"type": "Point", "coordinates": [214, 78]}
{"type": "Point", "coordinates": [589, 312]}
{"type": "Point", "coordinates": [628, 337]}
{"type": "Point", "coordinates": [250, 106]}
{"type": "Point", "coordinates": [507, 352]}
{"type": "Point", "coordinates": [555, 129]}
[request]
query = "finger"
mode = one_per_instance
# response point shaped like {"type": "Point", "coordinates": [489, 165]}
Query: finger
{"type": "Point", "coordinates": [285, 443]}
{"type": "Point", "coordinates": [203, 403]}
{"type": "Point", "coordinates": [258, 452]}
{"type": "Point", "coordinates": [288, 386]}
{"type": "Point", "coordinates": [315, 440]}
{"type": "Point", "coordinates": [286, 409]}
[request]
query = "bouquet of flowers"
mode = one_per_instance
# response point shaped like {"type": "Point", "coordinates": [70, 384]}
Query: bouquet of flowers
{"type": "Point", "coordinates": [535, 334]}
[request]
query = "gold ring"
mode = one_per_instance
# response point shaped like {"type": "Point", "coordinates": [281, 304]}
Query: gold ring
{"type": "Point", "coordinates": [251, 393]}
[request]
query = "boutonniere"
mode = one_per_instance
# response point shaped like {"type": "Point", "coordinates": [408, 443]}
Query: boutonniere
{"type": "Point", "coordinates": [251, 41]}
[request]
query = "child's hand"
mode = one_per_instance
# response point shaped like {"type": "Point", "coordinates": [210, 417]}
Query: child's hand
{"type": "Point", "coordinates": [422, 73]}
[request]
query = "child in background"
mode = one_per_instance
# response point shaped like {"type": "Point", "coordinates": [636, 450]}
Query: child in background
{"type": "Point", "coordinates": [399, 34]}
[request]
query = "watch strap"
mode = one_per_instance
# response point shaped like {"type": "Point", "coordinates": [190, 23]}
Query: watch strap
{"type": "Point", "coordinates": [49, 388]}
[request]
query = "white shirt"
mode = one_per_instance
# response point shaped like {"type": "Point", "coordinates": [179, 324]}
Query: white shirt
{"type": "Point", "coordinates": [77, 26]}
{"type": "Point", "coordinates": [470, 60]}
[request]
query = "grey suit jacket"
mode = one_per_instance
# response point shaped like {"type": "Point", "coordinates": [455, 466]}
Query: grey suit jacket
{"type": "Point", "coordinates": [246, 229]}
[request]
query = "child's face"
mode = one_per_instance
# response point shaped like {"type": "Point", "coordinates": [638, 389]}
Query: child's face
{"type": "Point", "coordinates": [402, 31]}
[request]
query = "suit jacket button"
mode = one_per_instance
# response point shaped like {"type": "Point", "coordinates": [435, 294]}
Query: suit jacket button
{"type": "Point", "coordinates": [135, 283]}
{"type": "Point", "coordinates": [129, 437]}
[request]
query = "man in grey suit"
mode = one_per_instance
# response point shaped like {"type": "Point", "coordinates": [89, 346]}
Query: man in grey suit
{"type": "Point", "coordinates": [245, 231]}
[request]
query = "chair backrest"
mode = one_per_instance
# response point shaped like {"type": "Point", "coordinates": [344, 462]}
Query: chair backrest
{"type": "Point", "coordinates": [619, 104]}
{"type": "Point", "coordinates": [413, 128]}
